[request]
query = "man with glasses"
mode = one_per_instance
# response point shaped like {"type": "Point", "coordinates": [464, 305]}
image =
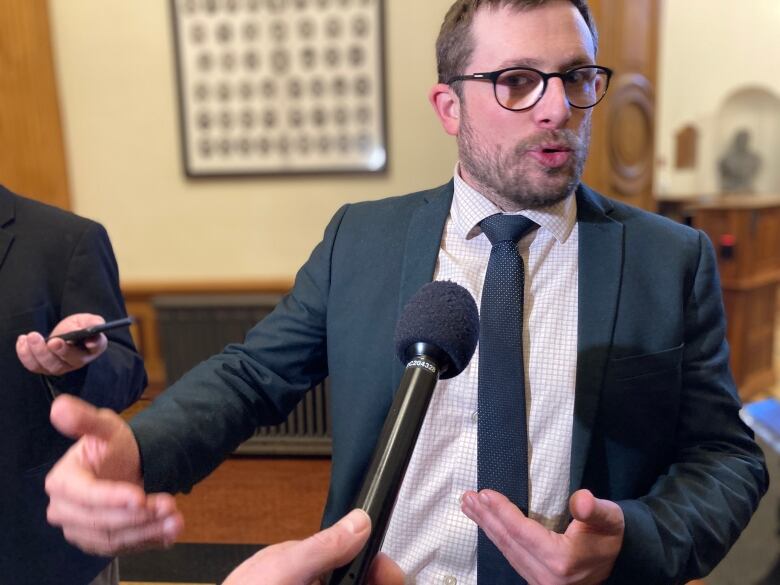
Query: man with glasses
{"type": "Point", "coordinates": [595, 434]}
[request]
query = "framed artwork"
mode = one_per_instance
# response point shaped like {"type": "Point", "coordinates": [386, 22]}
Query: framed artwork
{"type": "Point", "coordinates": [280, 86]}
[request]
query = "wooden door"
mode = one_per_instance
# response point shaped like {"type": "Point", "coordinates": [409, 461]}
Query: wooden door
{"type": "Point", "coordinates": [33, 155]}
{"type": "Point", "coordinates": [622, 146]}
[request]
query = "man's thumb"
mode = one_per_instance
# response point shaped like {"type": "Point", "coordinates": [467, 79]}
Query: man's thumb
{"type": "Point", "coordinates": [599, 515]}
{"type": "Point", "coordinates": [75, 418]}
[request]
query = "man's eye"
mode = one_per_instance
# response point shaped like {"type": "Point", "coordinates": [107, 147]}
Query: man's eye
{"type": "Point", "coordinates": [517, 80]}
{"type": "Point", "coordinates": [579, 77]}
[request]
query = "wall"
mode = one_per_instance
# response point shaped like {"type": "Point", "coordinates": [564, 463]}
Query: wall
{"type": "Point", "coordinates": [710, 51]}
{"type": "Point", "coordinates": [115, 68]}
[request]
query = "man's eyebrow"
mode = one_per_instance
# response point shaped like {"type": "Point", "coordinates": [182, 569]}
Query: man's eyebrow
{"type": "Point", "coordinates": [537, 63]}
{"type": "Point", "coordinates": [577, 62]}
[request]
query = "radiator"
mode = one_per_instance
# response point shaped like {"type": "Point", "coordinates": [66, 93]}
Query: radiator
{"type": "Point", "coordinates": [194, 327]}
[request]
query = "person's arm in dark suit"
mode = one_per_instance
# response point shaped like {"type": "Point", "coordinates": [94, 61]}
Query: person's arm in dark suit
{"type": "Point", "coordinates": [106, 375]}
{"type": "Point", "coordinates": [195, 423]}
{"type": "Point", "coordinates": [695, 511]}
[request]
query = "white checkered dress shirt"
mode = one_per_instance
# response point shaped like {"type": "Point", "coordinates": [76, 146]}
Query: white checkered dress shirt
{"type": "Point", "coordinates": [429, 536]}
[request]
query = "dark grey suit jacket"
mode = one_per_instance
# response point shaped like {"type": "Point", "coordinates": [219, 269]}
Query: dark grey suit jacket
{"type": "Point", "coordinates": [656, 425]}
{"type": "Point", "coordinates": [52, 264]}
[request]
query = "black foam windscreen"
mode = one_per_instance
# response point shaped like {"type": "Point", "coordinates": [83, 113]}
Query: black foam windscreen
{"type": "Point", "coordinates": [443, 314]}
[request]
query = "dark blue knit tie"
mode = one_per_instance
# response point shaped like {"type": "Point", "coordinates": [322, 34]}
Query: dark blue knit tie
{"type": "Point", "coordinates": [502, 437]}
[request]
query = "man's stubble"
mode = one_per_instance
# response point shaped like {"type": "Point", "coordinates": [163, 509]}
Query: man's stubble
{"type": "Point", "coordinates": [510, 179]}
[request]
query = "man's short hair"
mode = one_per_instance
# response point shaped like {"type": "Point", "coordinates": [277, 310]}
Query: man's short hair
{"type": "Point", "coordinates": [455, 44]}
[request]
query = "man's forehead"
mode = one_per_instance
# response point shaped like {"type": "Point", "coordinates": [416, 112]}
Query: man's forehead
{"type": "Point", "coordinates": [551, 35]}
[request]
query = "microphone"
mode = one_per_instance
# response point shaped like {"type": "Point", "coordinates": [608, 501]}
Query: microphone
{"type": "Point", "coordinates": [435, 337]}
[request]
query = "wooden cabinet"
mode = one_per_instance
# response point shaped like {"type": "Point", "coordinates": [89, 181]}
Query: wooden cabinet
{"type": "Point", "coordinates": [746, 233]}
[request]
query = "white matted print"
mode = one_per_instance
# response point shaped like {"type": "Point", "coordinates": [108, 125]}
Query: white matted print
{"type": "Point", "coordinates": [280, 86]}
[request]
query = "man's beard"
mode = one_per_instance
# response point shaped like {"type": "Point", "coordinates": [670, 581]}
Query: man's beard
{"type": "Point", "coordinates": [510, 178]}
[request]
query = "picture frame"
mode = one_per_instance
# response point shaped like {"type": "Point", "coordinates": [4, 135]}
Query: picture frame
{"type": "Point", "coordinates": [280, 87]}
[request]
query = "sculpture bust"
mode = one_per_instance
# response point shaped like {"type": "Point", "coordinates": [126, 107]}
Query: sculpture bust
{"type": "Point", "coordinates": [739, 166]}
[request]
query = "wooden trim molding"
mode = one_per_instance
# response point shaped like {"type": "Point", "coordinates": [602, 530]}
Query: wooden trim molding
{"type": "Point", "coordinates": [140, 289]}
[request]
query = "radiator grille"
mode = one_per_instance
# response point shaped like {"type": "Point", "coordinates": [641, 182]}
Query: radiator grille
{"type": "Point", "coordinates": [194, 327]}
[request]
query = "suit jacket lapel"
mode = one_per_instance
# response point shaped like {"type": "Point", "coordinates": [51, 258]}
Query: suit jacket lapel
{"type": "Point", "coordinates": [6, 218]}
{"type": "Point", "coordinates": [600, 272]}
{"type": "Point", "coordinates": [423, 240]}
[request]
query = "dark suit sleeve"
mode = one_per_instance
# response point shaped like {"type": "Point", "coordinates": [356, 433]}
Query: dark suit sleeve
{"type": "Point", "coordinates": [695, 511]}
{"type": "Point", "coordinates": [197, 422]}
{"type": "Point", "coordinates": [116, 378]}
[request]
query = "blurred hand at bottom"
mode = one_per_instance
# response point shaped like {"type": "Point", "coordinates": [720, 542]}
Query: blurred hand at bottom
{"type": "Point", "coordinates": [303, 562]}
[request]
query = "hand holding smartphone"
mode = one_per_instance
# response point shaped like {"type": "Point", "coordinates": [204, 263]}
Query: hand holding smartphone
{"type": "Point", "coordinates": [80, 335]}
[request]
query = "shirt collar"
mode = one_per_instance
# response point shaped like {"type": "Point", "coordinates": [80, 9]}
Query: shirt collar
{"type": "Point", "coordinates": [469, 207]}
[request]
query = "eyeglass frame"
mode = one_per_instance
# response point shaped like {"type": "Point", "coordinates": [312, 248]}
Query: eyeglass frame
{"type": "Point", "coordinates": [493, 76]}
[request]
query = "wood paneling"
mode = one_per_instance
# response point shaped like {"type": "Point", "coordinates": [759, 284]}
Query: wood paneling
{"type": "Point", "coordinates": [622, 145]}
{"type": "Point", "coordinates": [33, 159]}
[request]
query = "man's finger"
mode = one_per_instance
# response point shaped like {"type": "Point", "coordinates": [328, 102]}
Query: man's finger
{"type": "Point", "coordinates": [62, 511]}
{"type": "Point", "coordinates": [75, 322]}
{"type": "Point", "coordinates": [334, 546]}
{"type": "Point", "coordinates": [155, 534]}
{"type": "Point", "coordinates": [73, 355]}
{"type": "Point", "coordinates": [521, 540]}
{"type": "Point", "coordinates": [493, 511]}
{"type": "Point", "coordinates": [599, 515]}
{"type": "Point", "coordinates": [384, 571]}
{"type": "Point", "coordinates": [75, 418]}
{"type": "Point", "coordinates": [26, 356]}
{"type": "Point", "coordinates": [97, 344]}
{"type": "Point", "coordinates": [50, 362]}
{"type": "Point", "coordinates": [81, 488]}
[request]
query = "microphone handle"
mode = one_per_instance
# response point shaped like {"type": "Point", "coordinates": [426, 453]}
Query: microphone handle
{"type": "Point", "coordinates": [389, 461]}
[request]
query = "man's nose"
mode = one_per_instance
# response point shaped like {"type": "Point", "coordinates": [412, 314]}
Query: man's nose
{"type": "Point", "coordinates": [553, 110]}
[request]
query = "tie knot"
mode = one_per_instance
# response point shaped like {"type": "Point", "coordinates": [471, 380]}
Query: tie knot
{"type": "Point", "coordinates": [500, 227]}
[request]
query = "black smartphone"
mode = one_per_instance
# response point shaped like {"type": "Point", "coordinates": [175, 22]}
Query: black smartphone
{"type": "Point", "coordinates": [79, 335]}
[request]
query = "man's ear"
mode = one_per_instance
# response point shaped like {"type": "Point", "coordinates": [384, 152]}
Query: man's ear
{"type": "Point", "coordinates": [446, 104]}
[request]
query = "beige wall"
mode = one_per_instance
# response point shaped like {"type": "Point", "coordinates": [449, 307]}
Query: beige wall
{"type": "Point", "coordinates": [115, 70]}
{"type": "Point", "coordinates": [710, 51]}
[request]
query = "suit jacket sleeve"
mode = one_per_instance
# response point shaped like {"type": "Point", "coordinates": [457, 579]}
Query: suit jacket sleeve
{"type": "Point", "coordinates": [195, 423]}
{"type": "Point", "coordinates": [116, 378]}
{"type": "Point", "coordinates": [695, 511]}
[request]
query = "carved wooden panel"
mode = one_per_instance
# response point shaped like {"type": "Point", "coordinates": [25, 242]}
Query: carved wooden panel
{"type": "Point", "coordinates": [33, 160]}
{"type": "Point", "coordinates": [630, 137]}
{"type": "Point", "coordinates": [622, 146]}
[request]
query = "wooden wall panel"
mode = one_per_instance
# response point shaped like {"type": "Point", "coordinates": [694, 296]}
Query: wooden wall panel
{"type": "Point", "coordinates": [33, 159]}
{"type": "Point", "coordinates": [622, 146]}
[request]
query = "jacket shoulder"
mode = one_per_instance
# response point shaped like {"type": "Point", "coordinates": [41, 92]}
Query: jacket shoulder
{"type": "Point", "coordinates": [20, 213]}
{"type": "Point", "coordinates": [636, 221]}
{"type": "Point", "coordinates": [403, 204]}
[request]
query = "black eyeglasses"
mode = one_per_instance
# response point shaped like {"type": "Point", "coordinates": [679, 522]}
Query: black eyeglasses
{"type": "Point", "coordinates": [521, 88]}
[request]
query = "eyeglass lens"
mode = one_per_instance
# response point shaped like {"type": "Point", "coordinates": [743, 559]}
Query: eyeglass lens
{"type": "Point", "coordinates": [518, 89]}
